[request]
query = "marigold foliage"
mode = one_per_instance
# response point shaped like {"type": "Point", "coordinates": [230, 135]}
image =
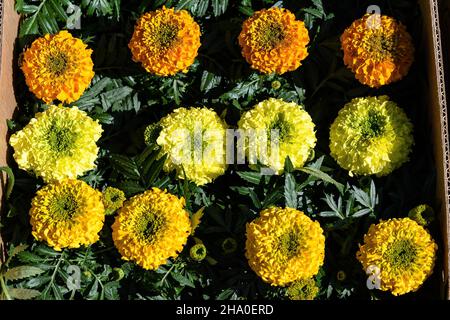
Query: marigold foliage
{"type": "Point", "coordinates": [272, 40]}
{"type": "Point", "coordinates": [165, 41]}
{"type": "Point", "coordinates": [284, 245]}
{"type": "Point", "coordinates": [67, 214]}
{"type": "Point", "coordinates": [403, 252]}
{"type": "Point", "coordinates": [151, 228]}
{"type": "Point", "coordinates": [58, 143]}
{"type": "Point", "coordinates": [58, 67]}
{"type": "Point", "coordinates": [371, 136]}
{"type": "Point", "coordinates": [294, 134]}
{"type": "Point", "coordinates": [378, 50]}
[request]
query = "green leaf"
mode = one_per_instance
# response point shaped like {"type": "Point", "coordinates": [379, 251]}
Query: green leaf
{"type": "Point", "coordinates": [15, 251]}
{"type": "Point", "coordinates": [219, 7]}
{"type": "Point", "coordinates": [125, 166]}
{"type": "Point", "coordinates": [209, 81]}
{"type": "Point", "coordinates": [323, 176]}
{"type": "Point", "coordinates": [23, 294]}
{"type": "Point", "coordinates": [22, 272]}
{"type": "Point", "coordinates": [28, 257]}
{"type": "Point", "coordinates": [250, 176]}
{"type": "Point", "coordinates": [11, 181]}
{"type": "Point", "coordinates": [42, 19]}
{"type": "Point", "coordinates": [184, 281]}
{"type": "Point", "coordinates": [290, 194]}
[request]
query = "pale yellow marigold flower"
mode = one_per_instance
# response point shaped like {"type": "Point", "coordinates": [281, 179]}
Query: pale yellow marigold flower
{"type": "Point", "coordinates": [165, 41]}
{"type": "Point", "coordinates": [378, 50]}
{"type": "Point", "coordinates": [400, 253]}
{"type": "Point", "coordinates": [284, 245]}
{"type": "Point", "coordinates": [272, 40]}
{"type": "Point", "coordinates": [58, 143]}
{"type": "Point", "coordinates": [295, 134]}
{"type": "Point", "coordinates": [371, 136]}
{"type": "Point", "coordinates": [194, 142]}
{"type": "Point", "coordinates": [67, 214]}
{"type": "Point", "coordinates": [151, 228]}
{"type": "Point", "coordinates": [58, 67]}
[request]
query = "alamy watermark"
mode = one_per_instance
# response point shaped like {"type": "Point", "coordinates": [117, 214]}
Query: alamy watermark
{"type": "Point", "coordinates": [373, 279]}
{"type": "Point", "coordinates": [234, 146]}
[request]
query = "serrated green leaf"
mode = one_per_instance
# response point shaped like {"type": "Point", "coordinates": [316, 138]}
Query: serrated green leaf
{"type": "Point", "coordinates": [219, 7]}
{"type": "Point", "coordinates": [290, 194]}
{"type": "Point", "coordinates": [22, 272]}
{"type": "Point", "coordinates": [323, 176]}
{"type": "Point", "coordinates": [23, 294]}
{"type": "Point", "coordinates": [184, 281]}
{"type": "Point", "coordinates": [250, 176]}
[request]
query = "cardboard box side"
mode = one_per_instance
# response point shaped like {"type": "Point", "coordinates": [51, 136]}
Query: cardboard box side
{"type": "Point", "coordinates": [9, 23]}
{"type": "Point", "coordinates": [437, 106]}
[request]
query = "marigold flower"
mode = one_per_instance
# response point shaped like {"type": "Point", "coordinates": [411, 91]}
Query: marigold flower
{"type": "Point", "coordinates": [378, 50]}
{"type": "Point", "coordinates": [305, 289]}
{"type": "Point", "coordinates": [229, 245]}
{"type": "Point", "coordinates": [58, 143]}
{"type": "Point", "coordinates": [67, 214]}
{"type": "Point", "coordinates": [422, 214]}
{"type": "Point", "coordinates": [165, 41]}
{"type": "Point", "coordinates": [198, 252]}
{"type": "Point", "coordinates": [151, 228]}
{"type": "Point", "coordinates": [284, 245]}
{"type": "Point", "coordinates": [402, 252]}
{"type": "Point", "coordinates": [113, 199]}
{"type": "Point", "coordinates": [371, 136]}
{"type": "Point", "coordinates": [272, 40]}
{"type": "Point", "coordinates": [194, 142]}
{"type": "Point", "coordinates": [274, 130]}
{"type": "Point", "coordinates": [58, 67]}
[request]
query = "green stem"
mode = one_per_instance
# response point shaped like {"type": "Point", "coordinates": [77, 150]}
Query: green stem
{"type": "Point", "coordinates": [167, 273]}
{"type": "Point", "coordinates": [52, 279]}
{"type": "Point", "coordinates": [5, 288]}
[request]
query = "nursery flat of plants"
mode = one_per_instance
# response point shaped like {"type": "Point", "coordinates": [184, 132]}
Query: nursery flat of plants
{"type": "Point", "coordinates": [220, 149]}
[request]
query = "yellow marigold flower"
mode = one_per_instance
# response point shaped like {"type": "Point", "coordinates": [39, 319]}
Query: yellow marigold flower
{"type": "Point", "coordinates": [67, 214]}
{"type": "Point", "coordinates": [284, 245]}
{"type": "Point", "coordinates": [274, 130]}
{"type": "Point", "coordinates": [272, 40]}
{"type": "Point", "coordinates": [58, 67]}
{"type": "Point", "coordinates": [229, 245]}
{"type": "Point", "coordinates": [165, 41]}
{"type": "Point", "coordinates": [151, 227]}
{"type": "Point", "coordinates": [113, 199]}
{"type": "Point", "coordinates": [402, 252]}
{"type": "Point", "coordinates": [198, 252]}
{"type": "Point", "coordinates": [305, 289]}
{"type": "Point", "coordinates": [422, 214]}
{"type": "Point", "coordinates": [58, 143]}
{"type": "Point", "coordinates": [371, 136]}
{"type": "Point", "coordinates": [378, 50]}
{"type": "Point", "coordinates": [194, 142]}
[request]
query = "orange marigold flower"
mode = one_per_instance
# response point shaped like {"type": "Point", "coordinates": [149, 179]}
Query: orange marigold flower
{"type": "Point", "coordinates": [58, 67]}
{"type": "Point", "coordinates": [272, 40]}
{"type": "Point", "coordinates": [165, 41]}
{"type": "Point", "coordinates": [378, 50]}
